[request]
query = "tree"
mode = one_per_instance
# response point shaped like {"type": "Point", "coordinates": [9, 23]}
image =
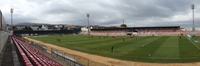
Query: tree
{"type": "Point", "coordinates": [27, 28]}
{"type": "Point", "coordinates": [123, 25]}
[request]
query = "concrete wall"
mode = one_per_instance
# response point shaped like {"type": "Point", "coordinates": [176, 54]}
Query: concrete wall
{"type": "Point", "coordinates": [3, 39]}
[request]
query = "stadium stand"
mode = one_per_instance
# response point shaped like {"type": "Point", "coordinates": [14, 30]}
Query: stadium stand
{"type": "Point", "coordinates": [5, 49]}
{"type": "Point", "coordinates": [139, 31]}
{"type": "Point", "coordinates": [32, 56]}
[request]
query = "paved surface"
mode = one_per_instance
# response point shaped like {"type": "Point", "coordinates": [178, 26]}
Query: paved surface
{"type": "Point", "coordinates": [8, 52]}
{"type": "Point", "coordinates": [3, 39]}
{"type": "Point", "coordinates": [9, 56]}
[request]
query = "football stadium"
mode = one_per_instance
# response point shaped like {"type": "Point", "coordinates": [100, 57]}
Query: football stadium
{"type": "Point", "coordinates": [103, 41]}
{"type": "Point", "coordinates": [163, 45]}
{"type": "Point", "coordinates": [157, 49]}
{"type": "Point", "coordinates": [148, 44]}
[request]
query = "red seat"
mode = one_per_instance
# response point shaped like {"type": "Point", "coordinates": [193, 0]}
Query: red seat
{"type": "Point", "coordinates": [31, 55]}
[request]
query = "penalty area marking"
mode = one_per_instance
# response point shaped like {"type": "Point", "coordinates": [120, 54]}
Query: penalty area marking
{"type": "Point", "coordinates": [193, 43]}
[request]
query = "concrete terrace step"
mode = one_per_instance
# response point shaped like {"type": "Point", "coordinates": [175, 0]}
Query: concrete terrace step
{"type": "Point", "coordinates": [9, 56]}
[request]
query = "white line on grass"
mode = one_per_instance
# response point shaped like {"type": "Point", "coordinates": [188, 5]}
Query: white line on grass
{"type": "Point", "coordinates": [193, 43]}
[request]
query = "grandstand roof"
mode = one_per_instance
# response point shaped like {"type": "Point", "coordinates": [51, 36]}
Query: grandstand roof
{"type": "Point", "coordinates": [154, 27]}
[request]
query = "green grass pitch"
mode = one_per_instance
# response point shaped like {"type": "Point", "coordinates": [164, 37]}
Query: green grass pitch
{"type": "Point", "coordinates": [156, 49]}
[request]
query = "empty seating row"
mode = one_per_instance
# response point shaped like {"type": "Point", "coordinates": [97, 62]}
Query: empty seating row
{"type": "Point", "coordinates": [32, 56]}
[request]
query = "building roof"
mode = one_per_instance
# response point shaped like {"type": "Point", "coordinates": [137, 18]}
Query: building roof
{"type": "Point", "coordinates": [119, 28]}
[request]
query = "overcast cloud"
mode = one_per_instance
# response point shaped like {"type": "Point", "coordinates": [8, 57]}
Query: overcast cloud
{"type": "Point", "coordinates": [103, 12]}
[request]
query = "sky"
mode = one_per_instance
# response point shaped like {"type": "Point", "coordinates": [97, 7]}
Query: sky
{"type": "Point", "coordinates": [103, 12]}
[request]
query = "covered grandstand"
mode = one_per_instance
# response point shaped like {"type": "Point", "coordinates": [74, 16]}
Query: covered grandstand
{"type": "Point", "coordinates": [140, 31]}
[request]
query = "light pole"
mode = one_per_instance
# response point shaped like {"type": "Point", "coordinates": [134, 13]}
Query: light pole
{"type": "Point", "coordinates": [193, 26]}
{"type": "Point", "coordinates": [88, 19]}
{"type": "Point", "coordinates": [123, 21]}
{"type": "Point", "coordinates": [11, 11]}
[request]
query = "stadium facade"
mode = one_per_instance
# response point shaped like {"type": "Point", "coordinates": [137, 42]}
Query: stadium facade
{"type": "Point", "coordinates": [3, 32]}
{"type": "Point", "coordinates": [2, 22]}
{"type": "Point", "coordinates": [138, 31]}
